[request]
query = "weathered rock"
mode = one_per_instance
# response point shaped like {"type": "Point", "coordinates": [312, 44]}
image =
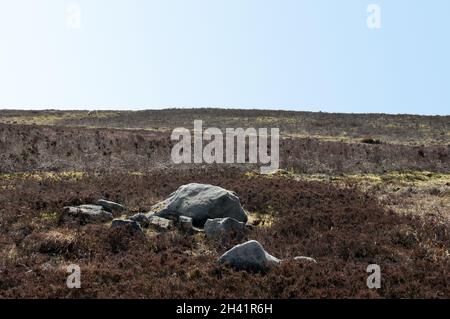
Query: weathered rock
{"type": "Point", "coordinates": [224, 228]}
{"type": "Point", "coordinates": [89, 213]}
{"type": "Point", "coordinates": [185, 224]}
{"type": "Point", "coordinates": [160, 223]}
{"type": "Point", "coordinates": [306, 259]}
{"type": "Point", "coordinates": [110, 206]}
{"type": "Point", "coordinates": [141, 218]}
{"type": "Point", "coordinates": [201, 202]}
{"type": "Point", "coordinates": [249, 256]}
{"type": "Point", "coordinates": [126, 223]}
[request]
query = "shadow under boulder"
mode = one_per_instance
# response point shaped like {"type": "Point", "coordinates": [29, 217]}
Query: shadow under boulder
{"type": "Point", "coordinates": [224, 229]}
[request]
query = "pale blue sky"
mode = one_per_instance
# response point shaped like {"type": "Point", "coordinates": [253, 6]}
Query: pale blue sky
{"type": "Point", "coordinates": [315, 55]}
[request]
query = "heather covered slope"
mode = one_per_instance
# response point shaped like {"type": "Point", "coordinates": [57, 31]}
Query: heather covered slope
{"type": "Point", "coordinates": [355, 190]}
{"type": "Point", "coordinates": [58, 148]}
{"type": "Point", "coordinates": [343, 228]}
{"type": "Point", "coordinates": [392, 129]}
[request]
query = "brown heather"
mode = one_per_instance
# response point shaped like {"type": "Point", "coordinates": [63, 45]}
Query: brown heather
{"type": "Point", "coordinates": [342, 227]}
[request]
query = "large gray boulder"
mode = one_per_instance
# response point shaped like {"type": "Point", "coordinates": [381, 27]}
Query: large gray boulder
{"type": "Point", "coordinates": [224, 228]}
{"type": "Point", "coordinates": [89, 213]}
{"type": "Point", "coordinates": [249, 256]}
{"type": "Point", "coordinates": [201, 202]}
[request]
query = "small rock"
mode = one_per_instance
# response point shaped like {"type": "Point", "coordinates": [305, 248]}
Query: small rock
{"type": "Point", "coordinates": [126, 223]}
{"type": "Point", "coordinates": [89, 213]}
{"type": "Point", "coordinates": [249, 256]}
{"type": "Point", "coordinates": [141, 218]}
{"type": "Point", "coordinates": [201, 202]}
{"type": "Point", "coordinates": [160, 223]}
{"type": "Point", "coordinates": [110, 206]}
{"type": "Point", "coordinates": [307, 259]}
{"type": "Point", "coordinates": [224, 228]}
{"type": "Point", "coordinates": [185, 224]}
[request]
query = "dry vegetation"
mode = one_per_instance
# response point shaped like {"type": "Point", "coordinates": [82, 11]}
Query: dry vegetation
{"type": "Point", "coordinates": [344, 228]}
{"type": "Point", "coordinates": [58, 148]}
{"type": "Point", "coordinates": [378, 196]}
{"type": "Point", "coordinates": [391, 129]}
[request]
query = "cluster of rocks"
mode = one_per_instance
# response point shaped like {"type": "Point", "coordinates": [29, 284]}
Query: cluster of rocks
{"type": "Point", "coordinates": [192, 208]}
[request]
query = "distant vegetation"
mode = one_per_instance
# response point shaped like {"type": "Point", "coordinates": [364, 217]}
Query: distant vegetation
{"type": "Point", "coordinates": [393, 129]}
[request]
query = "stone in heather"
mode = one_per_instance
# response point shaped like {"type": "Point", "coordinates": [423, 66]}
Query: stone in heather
{"type": "Point", "coordinates": [185, 224]}
{"type": "Point", "coordinates": [201, 202]}
{"type": "Point", "coordinates": [141, 218]}
{"type": "Point", "coordinates": [305, 259]}
{"type": "Point", "coordinates": [110, 206]}
{"type": "Point", "coordinates": [249, 256]}
{"type": "Point", "coordinates": [160, 223]}
{"type": "Point", "coordinates": [89, 213]}
{"type": "Point", "coordinates": [224, 228]}
{"type": "Point", "coordinates": [126, 223]}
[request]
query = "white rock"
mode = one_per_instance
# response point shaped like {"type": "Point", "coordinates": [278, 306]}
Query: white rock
{"type": "Point", "coordinates": [249, 256]}
{"type": "Point", "coordinates": [307, 259]}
